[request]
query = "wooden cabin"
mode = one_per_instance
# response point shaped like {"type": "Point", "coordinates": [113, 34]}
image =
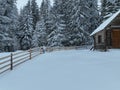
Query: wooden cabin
{"type": "Point", "coordinates": [107, 35]}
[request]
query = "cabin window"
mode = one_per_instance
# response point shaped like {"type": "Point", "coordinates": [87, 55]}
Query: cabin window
{"type": "Point", "coordinates": [99, 39]}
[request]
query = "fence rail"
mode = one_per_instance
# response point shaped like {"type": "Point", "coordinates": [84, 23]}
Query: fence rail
{"type": "Point", "coordinates": [50, 49]}
{"type": "Point", "coordinates": [14, 59]}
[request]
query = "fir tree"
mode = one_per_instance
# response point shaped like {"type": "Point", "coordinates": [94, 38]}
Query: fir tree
{"type": "Point", "coordinates": [43, 27]}
{"type": "Point", "coordinates": [109, 7]}
{"type": "Point", "coordinates": [41, 33]}
{"type": "Point", "coordinates": [35, 12]}
{"type": "Point", "coordinates": [8, 24]}
{"type": "Point", "coordinates": [92, 17]}
{"type": "Point", "coordinates": [25, 31]}
{"type": "Point", "coordinates": [56, 36]}
{"type": "Point", "coordinates": [74, 21]}
{"type": "Point", "coordinates": [60, 26]}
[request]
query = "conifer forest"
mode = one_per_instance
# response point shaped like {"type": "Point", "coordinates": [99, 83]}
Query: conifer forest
{"type": "Point", "coordinates": [63, 23]}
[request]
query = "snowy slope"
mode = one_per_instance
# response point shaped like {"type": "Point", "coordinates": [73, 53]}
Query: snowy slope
{"type": "Point", "coordinates": [66, 70]}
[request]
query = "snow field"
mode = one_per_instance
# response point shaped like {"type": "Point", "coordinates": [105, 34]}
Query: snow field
{"type": "Point", "coordinates": [66, 70]}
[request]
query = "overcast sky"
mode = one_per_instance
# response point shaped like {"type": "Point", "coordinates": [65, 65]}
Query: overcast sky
{"type": "Point", "coordinates": [21, 3]}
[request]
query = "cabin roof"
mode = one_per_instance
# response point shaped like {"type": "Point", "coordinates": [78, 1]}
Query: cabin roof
{"type": "Point", "coordinates": [105, 23]}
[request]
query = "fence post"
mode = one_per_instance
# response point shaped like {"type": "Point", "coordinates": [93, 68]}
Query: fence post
{"type": "Point", "coordinates": [11, 62]}
{"type": "Point", "coordinates": [40, 50]}
{"type": "Point", "coordinates": [30, 53]}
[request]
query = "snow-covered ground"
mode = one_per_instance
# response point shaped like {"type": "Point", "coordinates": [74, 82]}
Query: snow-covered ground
{"type": "Point", "coordinates": [66, 70]}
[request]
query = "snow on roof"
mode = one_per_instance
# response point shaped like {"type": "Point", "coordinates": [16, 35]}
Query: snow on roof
{"type": "Point", "coordinates": [106, 23]}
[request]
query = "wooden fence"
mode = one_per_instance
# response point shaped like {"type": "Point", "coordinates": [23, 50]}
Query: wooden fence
{"type": "Point", "coordinates": [50, 49]}
{"type": "Point", "coordinates": [14, 59]}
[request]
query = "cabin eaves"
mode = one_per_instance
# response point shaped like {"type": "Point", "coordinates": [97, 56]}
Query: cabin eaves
{"type": "Point", "coordinates": [105, 23]}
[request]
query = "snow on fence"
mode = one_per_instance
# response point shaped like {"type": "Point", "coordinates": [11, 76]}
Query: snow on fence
{"type": "Point", "coordinates": [14, 59]}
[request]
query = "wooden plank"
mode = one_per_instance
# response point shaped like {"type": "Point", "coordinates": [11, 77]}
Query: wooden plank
{"type": "Point", "coordinates": [20, 56]}
{"type": "Point", "coordinates": [11, 62]}
{"type": "Point", "coordinates": [35, 55]}
{"type": "Point", "coordinates": [4, 62]}
{"type": "Point", "coordinates": [20, 59]}
{"type": "Point", "coordinates": [36, 49]}
{"type": "Point", "coordinates": [4, 66]}
{"type": "Point", "coordinates": [5, 70]}
{"type": "Point", "coordinates": [5, 57]}
{"type": "Point", "coordinates": [18, 53]}
{"type": "Point", "coordinates": [20, 63]}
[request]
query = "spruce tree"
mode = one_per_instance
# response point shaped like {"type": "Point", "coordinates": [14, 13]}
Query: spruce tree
{"type": "Point", "coordinates": [8, 24]}
{"type": "Point", "coordinates": [25, 30]}
{"type": "Point", "coordinates": [41, 33]}
{"type": "Point", "coordinates": [92, 17]}
{"type": "Point", "coordinates": [60, 26]}
{"type": "Point", "coordinates": [56, 36]}
{"type": "Point", "coordinates": [43, 27]}
{"type": "Point", "coordinates": [117, 5]}
{"type": "Point", "coordinates": [75, 32]}
{"type": "Point", "coordinates": [82, 14]}
{"type": "Point", "coordinates": [35, 12]}
{"type": "Point", "coordinates": [109, 7]}
{"type": "Point", "coordinates": [75, 20]}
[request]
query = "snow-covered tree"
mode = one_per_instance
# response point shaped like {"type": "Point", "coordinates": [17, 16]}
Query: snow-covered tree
{"type": "Point", "coordinates": [83, 20]}
{"type": "Point", "coordinates": [74, 21]}
{"type": "Point", "coordinates": [35, 12]}
{"type": "Point", "coordinates": [60, 24]}
{"type": "Point", "coordinates": [117, 5]}
{"type": "Point", "coordinates": [25, 30]}
{"type": "Point", "coordinates": [8, 24]}
{"type": "Point", "coordinates": [109, 7]}
{"type": "Point", "coordinates": [56, 36]}
{"type": "Point", "coordinates": [41, 33]}
{"type": "Point", "coordinates": [92, 17]}
{"type": "Point", "coordinates": [43, 27]}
